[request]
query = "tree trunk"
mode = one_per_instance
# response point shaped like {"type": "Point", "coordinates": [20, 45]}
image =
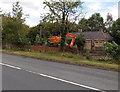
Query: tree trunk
{"type": "Point", "coordinates": [62, 45]}
{"type": "Point", "coordinates": [63, 33]}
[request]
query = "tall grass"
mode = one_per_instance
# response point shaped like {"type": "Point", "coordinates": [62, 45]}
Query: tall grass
{"type": "Point", "coordinates": [64, 58]}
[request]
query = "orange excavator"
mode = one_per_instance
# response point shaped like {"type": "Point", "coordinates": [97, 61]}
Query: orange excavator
{"type": "Point", "coordinates": [57, 39]}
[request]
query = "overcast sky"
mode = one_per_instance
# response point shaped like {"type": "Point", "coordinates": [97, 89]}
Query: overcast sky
{"type": "Point", "coordinates": [35, 8]}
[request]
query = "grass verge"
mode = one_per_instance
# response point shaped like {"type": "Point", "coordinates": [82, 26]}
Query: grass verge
{"type": "Point", "coordinates": [68, 58]}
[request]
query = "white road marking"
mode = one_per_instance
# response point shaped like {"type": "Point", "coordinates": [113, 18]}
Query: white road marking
{"type": "Point", "coordinates": [81, 85]}
{"type": "Point", "coordinates": [10, 66]}
{"type": "Point", "coordinates": [55, 78]}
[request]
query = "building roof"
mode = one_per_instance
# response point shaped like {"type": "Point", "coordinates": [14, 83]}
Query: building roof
{"type": "Point", "coordinates": [94, 35]}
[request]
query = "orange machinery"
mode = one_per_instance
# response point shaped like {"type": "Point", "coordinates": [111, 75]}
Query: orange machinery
{"type": "Point", "coordinates": [57, 39]}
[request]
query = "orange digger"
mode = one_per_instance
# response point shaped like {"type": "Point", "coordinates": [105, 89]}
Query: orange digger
{"type": "Point", "coordinates": [57, 39]}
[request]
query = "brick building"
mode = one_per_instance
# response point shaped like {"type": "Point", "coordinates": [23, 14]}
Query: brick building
{"type": "Point", "coordinates": [95, 40]}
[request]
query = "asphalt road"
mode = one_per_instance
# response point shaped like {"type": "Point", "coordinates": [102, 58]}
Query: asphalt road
{"type": "Point", "coordinates": [14, 79]}
{"type": "Point", "coordinates": [93, 78]}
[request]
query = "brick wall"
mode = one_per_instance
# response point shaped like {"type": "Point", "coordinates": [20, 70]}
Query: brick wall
{"type": "Point", "coordinates": [44, 48]}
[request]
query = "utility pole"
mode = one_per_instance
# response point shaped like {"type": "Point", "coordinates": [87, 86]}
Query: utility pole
{"type": "Point", "coordinates": [40, 31]}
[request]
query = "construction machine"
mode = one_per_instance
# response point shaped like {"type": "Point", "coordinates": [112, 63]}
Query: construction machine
{"type": "Point", "coordinates": [57, 39]}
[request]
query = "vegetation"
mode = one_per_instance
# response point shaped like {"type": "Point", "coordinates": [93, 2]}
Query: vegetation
{"type": "Point", "coordinates": [65, 58]}
{"type": "Point", "coordinates": [13, 27]}
{"type": "Point", "coordinates": [61, 11]}
{"type": "Point", "coordinates": [80, 40]}
{"type": "Point", "coordinates": [88, 54]}
{"type": "Point", "coordinates": [109, 22]}
{"type": "Point", "coordinates": [93, 23]}
{"type": "Point", "coordinates": [38, 39]}
{"type": "Point", "coordinates": [115, 32]}
{"type": "Point", "coordinates": [113, 50]}
{"type": "Point", "coordinates": [58, 23]}
{"type": "Point", "coordinates": [68, 41]}
{"type": "Point", "coordinates": [83, 23]}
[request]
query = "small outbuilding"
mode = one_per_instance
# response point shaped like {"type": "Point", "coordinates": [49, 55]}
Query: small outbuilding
{"type": "Point", "coordinates": [95, 40]}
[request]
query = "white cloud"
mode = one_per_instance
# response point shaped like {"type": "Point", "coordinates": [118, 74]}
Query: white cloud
{"type": "Point", "coordinates": [35, 8]}
{"type": "Point", "coordinates": [100, 0]}
{"type": "Point", "coordinates": [103, 8]}
{"type": "Point", "coordinates": [114, 11]}
{"type": "Point", "coordinates": [95, 6]}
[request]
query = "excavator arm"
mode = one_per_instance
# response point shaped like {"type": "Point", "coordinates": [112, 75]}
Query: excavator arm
{"type": "Point", "coordinates": [57, 39]}
{"type": "Point", "coordinates": [73, 38]}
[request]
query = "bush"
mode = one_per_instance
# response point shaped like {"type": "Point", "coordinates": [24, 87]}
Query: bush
{"type": "Point", "coordinates": [80, 40]}
{"type": "Point", "coordinates": [113, 50]}
{"type": "Point", "coordinates": [88, 54]}
{"type": "Point", "coordinates": [69, 41]}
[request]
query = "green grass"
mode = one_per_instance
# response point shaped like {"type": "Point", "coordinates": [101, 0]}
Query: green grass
{"type": "Point", "coordinates": [64, 58]}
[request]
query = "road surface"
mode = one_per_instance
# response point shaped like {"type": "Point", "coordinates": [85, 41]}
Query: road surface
{"type": "Point", "coordinates": [40, 74]}
{"type": "Point", "coordinates": [14, 79]}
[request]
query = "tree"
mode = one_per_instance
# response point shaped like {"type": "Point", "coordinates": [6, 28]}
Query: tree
{"type": "Point", "coordinates": [62, 11]}
{"type": "Point", "coordinates": [14, 31]}
{"type": "Point", "coordinates": [95, 21]}
{"type": "Point", "coordinates": [18, 24]}
{"type": "Point", "coordinates": [115, 32]}
{"type": "Point", "coordinates": [113, 50]}
{"type": "Point", "coordinates": [49, 28]}
{"type": "Point", "coordinates": [17, 12]}
{"type": "Point", "coordinates": [37, 38]}
{"type": "Point", "coordinates": [33, 31]}
{"type": "Point", "coordinates": [80, 40]}
{"type": "Point", "coordinates": [109, 22]}
{"type": "Point", "coordinates": [0, 28]}
{"type": "Point", "coordinates": [83, 23]}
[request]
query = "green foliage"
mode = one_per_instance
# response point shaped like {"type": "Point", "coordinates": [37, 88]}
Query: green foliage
{"type": "Point", "coordinates": [38, 39]}
{"type": "Point", "coordinates": [14, 31]}
{"type": "Point", "coordinates": [95, 21]}
{"type": "Point", "coordinates": [17, 11]}
{"type": "Point", "coordinates": [105, 60]}
{"type": "Point", "coordinates": [113, 50]}
{"type": "Point", "coordinates": [68, 55]}
{"type": "Point", "coordinates": [53, 53]}
{"type": "Point", "coordinates": [49, 28]}
{"type": "Point", "coordinates": [45, 30]}
{"type": "Point", "coordinates": [109, 22]}
{"type": "Point", "coordinates": [73, 59]}
{"type": "Point", "coordinates": [61, 11]}
{"type": "Point", "coordinates": [68, 41]}
{"type": "Point", "coordinates": [80, 40]}
{"type": "Point", "coordinates": [116, 31]}
{"type": "Point", "coordinates": [33, 31]}
{"type": "Point", "coordinates": [88, 54]}
{"type": "Point", "coordinates": [83, 23]}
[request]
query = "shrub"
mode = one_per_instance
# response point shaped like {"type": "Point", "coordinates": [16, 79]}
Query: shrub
{"type": "Point", "coordinates": [69, 41]}
{"type": "Point", "coordinates": [113, 50]}
{"type": "Point", "coordinates": [88, 54]}
{"type": "Point", "coordinates": [80, 40]}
